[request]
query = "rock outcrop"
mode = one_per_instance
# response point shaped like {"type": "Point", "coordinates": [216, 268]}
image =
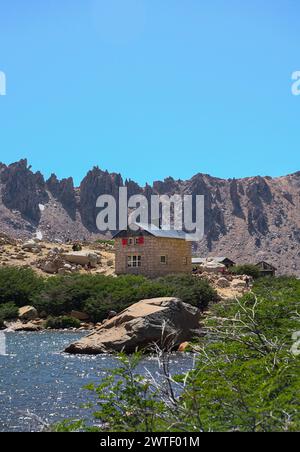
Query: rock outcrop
{"type": "Point", "coordinates": [31, 326]}
{"type": "Point", "coordinates": [82, 316]}
{"type": "Point", "coordinates": [95, 184]}
{"type": "Point", "coordinates": [64, 192]}
{"type": "Point", "coordinates": [28, 313]}
{"type": "Point", "coordinates": [23, 190]}
{"type": "Point", "coordinates": [164, 321]}
{"type": "Point", "coordinates": [82, 258]}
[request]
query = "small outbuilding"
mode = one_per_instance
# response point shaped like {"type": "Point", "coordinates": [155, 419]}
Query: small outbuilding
{"type": "Point", "coordinates": [266, 269]}
{"type": "Point", "coordinates": [199, 261]}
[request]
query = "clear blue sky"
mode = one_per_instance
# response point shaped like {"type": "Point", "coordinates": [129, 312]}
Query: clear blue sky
{"type": "Point", "coordinates": [151, 88]}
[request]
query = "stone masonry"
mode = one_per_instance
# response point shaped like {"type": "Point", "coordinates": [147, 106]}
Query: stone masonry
{"type": "Point", "coordinates": [159, 256]}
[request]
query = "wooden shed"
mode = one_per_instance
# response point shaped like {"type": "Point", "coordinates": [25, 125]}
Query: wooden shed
{"type": "Point", "coordinates": [266, 269]}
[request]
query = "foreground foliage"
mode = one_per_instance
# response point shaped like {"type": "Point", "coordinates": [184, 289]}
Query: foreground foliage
{"type": "Point", "coordinates": [245, 378]}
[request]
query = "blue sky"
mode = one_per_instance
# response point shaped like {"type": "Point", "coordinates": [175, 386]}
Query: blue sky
{"type": "Point", "coordinates": [151, 88]}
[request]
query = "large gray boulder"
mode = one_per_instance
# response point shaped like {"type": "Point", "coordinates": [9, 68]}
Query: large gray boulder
{"type": "Point", "coordinates": [82, 258]}
{"type": "Point", "coordinates": [32, 246]}
{"type": "Point", "coordinates": [165, 321]}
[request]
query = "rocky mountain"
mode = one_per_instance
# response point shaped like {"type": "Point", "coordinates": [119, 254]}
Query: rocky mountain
{"type": "Point", "coordinates": [248, 220]}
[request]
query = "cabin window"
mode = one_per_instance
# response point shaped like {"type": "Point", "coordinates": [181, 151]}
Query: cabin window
{"type": "Point", "coordinates": [163, 260]}
{"type": "Point", "coordinates": [130, 241]}
{"type": "Point", "coordinates": [134, 261]}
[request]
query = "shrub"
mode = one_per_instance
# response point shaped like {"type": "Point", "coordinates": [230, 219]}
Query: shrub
{"type": "Point", "coordinates": [106, 242]}
{"type": "Point", "coordinates": [9, 311]}
{"type": "Point", "coordinates": [246, 269]}
{"type": "Point", "coordinates": [98, 308]}
{"type": "Point", "coordinates": [2, 326]}
{"type": "Point", "coordinates": [58, 323]}
{"type": "Point", "coordinates": [193, 290]}
{"type": "Point", "coordinates": [96, 295]}
{"type": "Point", "coordinates": [19, 285]}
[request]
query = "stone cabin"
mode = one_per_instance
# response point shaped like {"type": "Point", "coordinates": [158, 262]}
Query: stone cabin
{"type": "Point", "coordinates": [152, 252]}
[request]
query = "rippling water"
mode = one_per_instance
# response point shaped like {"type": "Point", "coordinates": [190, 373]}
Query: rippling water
{"type": "Point", "coordinates": [40, 384]}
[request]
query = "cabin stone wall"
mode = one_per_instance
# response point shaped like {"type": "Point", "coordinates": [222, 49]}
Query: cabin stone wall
{"type": "Point", "coordinates": [178, 254]}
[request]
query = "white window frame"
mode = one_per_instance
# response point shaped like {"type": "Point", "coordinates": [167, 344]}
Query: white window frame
{"type": "Point", "coordinates": [134, 261]}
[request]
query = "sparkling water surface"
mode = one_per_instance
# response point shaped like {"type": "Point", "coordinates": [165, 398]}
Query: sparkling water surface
{"type": "Point", "coordinates": [41, 385]}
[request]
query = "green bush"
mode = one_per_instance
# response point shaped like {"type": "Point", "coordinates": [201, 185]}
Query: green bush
{"type": "Point", "coordinates": [193, 290]}
{"type": "Point", "coordinates": [58, 323]}
{"type": "Point", "coordinates": [9, 311]}
{"type": "Point", "coordinates": [61, 294]}
{"type": "Point", "coordinates": [97, 309]}
{"type": "Point", "coordinates": [106, 242]}
{"type": "Point", "coordinates": [19, 285]}
{"type": "Point", "coordinates": [246, 269]}
{"type": "Point", "coordinates": [96, 295]}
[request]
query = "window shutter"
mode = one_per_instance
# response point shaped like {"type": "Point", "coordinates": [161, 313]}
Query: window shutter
{"type": "Point", "coordinates": [141, 241]}
{"type": "Point", "coordinates": [124, 242]}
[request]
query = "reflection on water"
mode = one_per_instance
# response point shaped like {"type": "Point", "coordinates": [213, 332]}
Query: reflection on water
{"type": "Point", "coordinates": [40, 384]}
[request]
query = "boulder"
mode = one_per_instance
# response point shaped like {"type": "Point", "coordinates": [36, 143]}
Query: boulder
{"type": "Point", "coordinates": [82, 258]}
{"type": "Point", "coordinates": [63, 272]}
{"type": "Point", "coordinates": [238, 284]}
{"type": "Point", "coordinates": [50, 267]}
{"type": "Point", "coordinates": [82, 316]}
{"type": "Point", "coordinates": [111, 314]}
{"type": "Point", "coordinates": [222, 283]}
{"type": "Point", "coordinates": [28, 313]}
{"type": "Point", "coordinates": [29, 326]}
{"type": "Point", "coordinates": [32, 246]}
{"type": "Point", "coordinates": [165, 321]}
{"type": "Point", "coordinates": [184, 346]}
{"type": "Point", "coordinates": [213, 267]}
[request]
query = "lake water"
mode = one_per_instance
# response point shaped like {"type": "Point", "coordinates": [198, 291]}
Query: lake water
{"type": "Point", "coordinates": [39, 384]}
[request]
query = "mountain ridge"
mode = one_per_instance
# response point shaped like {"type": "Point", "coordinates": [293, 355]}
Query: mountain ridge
{"type": "Point", "coordinates": [247, 219]}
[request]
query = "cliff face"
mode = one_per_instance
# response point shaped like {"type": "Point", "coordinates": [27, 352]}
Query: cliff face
{"type": "Point", "coordinates": [23, 190]}
{"type": "Point", "coordinates": [247, 219]}
{"type": "Point", "coordinates": [64, 192]}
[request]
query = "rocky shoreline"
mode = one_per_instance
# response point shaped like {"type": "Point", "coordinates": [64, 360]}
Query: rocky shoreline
{"type": "Point", "coordinates": [29, 320]}
{"type": "Point", "coordinates": [167, 322]}
{"type": "Point", "coordinates": [38, 326]}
